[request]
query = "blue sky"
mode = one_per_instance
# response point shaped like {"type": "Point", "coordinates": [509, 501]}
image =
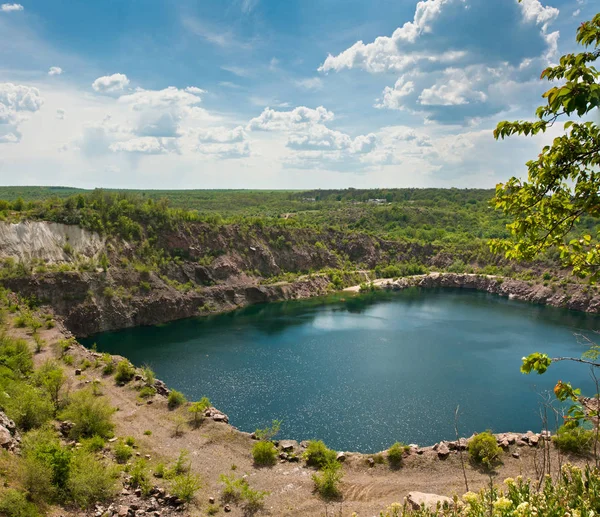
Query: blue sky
{"type": "Point", "coordinates": [271, 93]}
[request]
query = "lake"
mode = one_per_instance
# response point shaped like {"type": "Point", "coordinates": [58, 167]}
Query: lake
{"type": "Point", "coordinates": [364, 372]}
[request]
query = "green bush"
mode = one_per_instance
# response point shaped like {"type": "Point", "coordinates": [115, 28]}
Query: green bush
{"type": "Point", "coordinates": [573, 439]}
{"type": "Point", "coordinates": [264, 453]}
{"type": "Point", "coordinates": [318, 455]}
{"type": "Point", "coordinates": [395, 454]}
{"type": "Point", "coordinates": [175, 399]}
{"type": "Point", "coordinates": [327, 481]}
{"type": "Point", "coordinates": [197, 410]}
{"type": "Point", "coordinates": [28, 406]}
{"type": "Point", "coordinates": [184, 486]}
{"type": "Point", "coordinates": [238, 489]}
{"type": "Point", "coordinates": [125, 372]}
{"type": "Point", "coordinates": [94, 444]}
{"type": "Point", "coordinates": [123, 452]}
{"type": "Point", "coordinates": [15, 504]}
{"type": "Point", "coordinates": [140, 477]}
{"type": "Point", "coordinates": [484, 450]}
{"type": "Point", "coordinates": [91, 415]}
{"type": "Point", "coordinates": [147, 392]}
{"type": "Point", "coordinates": [91, 480]}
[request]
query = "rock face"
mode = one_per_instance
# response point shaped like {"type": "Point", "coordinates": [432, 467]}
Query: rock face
{"type": "Point", "coordinates": [10, 439]}
{"type": "Point", "coordinates": [417, 500]}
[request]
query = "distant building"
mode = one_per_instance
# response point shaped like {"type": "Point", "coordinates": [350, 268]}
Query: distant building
{"type": "Point", "coordinates": [310, 199]}
{"type": "Point", "coordinates": [377, 201]}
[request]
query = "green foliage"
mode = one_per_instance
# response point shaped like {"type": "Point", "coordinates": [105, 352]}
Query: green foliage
{"type": "Point", "coordinates": [268, 433]}
{"type": "Point", "coordinates": [484, 450]}
{"type": "Point", "coordinates": [140, 476]}
{"type": "Point", "coordinates": [148, 375]}
{"type": "Point", "coordinates": [91, 415]}
{"type": "Point", "coordinates": [147, 392]}
{"type": "Point", "coordinates": [563, 182]}
{"type": "Point", "coordinates": [184, 486]}
{"type": "Point", "coordinates": [91, 480]}
{"type": "Point", "coordinates": [264, 453]}
{"type": "Point", "coordinates": [327, 481]}
{"type": "Point", "coordinates": [93, 444]}
{"type": "Point", "coordinates": [238, 490]}
{"type": "Point", "coordinates": [14, 503]}
{"type": "Point", "coordinates": [197, 410]}
{"type": "Point", "coordinates": [573, 439]}
{"type": "Point", "coordinates": [125, 372]}
{"type": "Point", "coordinates": [175, 399]}
{"type": "Point", "coordinates": [395, 454]}
{"type": "Point", "coordinates": [28, 406]}
{"type": "Point", "coordinates": [318, 455]}
{"type": "Point", "coordinates": [123, 452]}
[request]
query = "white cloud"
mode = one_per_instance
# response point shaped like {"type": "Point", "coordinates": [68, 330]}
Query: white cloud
{"type": "Point", "coordinates": [167, 98]}
{"type": "Point", "coordinates": [16, 101]}
{"type": "Point", "coordinates": [110, 83]}
{"type": "Point", "coordinates": [222, 135]}
{"type": "Point", "coordinates": [55, 70]}
{"type": "Point", "coordinates": [225, 151]}
{"type": "Point", "coordinates": [449, 56]}
{"type": "Point", "coordinates": [6, 8]}
{"type": "Point", "coordinates": [310, 83]}
{"type": "Point", "coordinates": [271, 119]}
{"type": "Point", "coordinates": [146, 145]}
{"type": "Point", "coordinates": [60, 114]}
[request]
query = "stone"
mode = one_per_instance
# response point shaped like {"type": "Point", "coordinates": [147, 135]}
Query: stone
{"type": "Point", "coordinates": [77, 371]}
{"type": "Point", "coordinates": [516, 455]}
{"type": "Point", "coordinates": [533, 440]}
{"type": "Point", "coordinates": [288, 445]}
{"type": "Point", "coordinates": [123, 511]}
{"type": "Point", "coordinates": [304, 444]}
{"type": "Point", "coordinates": [138, 493]}
{"type": "Point", "coordinates": [226, 508]}
{"type": "Point", "coordinates": [211, 500]}
{"type": "Point", "coordinates": [283, 455]}
{"type": "Point", "coordinates": [341, 457]}
{"type": "Point", "coordinates": [371, 462]}
{"type": "Point", "coordinates": [442, 451]}
{"type": "Point", "coordinates": [416, 500]}
{"type": "Point", "coordinates": [504, 444]}
{"type": "Point", "coordinates": [521, 443]}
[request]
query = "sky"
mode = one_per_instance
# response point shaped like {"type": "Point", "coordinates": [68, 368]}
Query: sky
{"type": "Point", "coordinates": [274, 94]}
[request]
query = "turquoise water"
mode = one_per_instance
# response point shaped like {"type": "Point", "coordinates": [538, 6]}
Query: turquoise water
{"type": "Point", "coordinates": [366, 372]}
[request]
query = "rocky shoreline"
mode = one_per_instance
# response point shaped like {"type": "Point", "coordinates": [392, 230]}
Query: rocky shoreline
{"type": "Point", "coordinates": [570, 296]}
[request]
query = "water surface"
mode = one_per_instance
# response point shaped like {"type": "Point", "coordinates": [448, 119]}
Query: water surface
{"type": "Point", "coordinates": [368, 371]}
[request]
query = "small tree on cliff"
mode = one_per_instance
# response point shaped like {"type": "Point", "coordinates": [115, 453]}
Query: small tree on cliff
{"type": "Point", "coordinates": [562, 186]}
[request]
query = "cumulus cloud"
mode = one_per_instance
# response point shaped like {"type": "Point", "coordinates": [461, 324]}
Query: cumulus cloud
{"type": "Point", "coordinates": [16, 101]}
{"type": "Point", "coordinates": [55, 70]}
{"type": "Point", "coordinates": [450, 55]}
{"type": "Point", "coordinates": [110, 83]}
{"type": "Point", "coordinates": [222, 135]}
{"type": "Point", "coordinates": [6, 8]}
{"type": "Point", "coordinates": [271, 119]}
{"type": "Point", "coordinates": [167, 98]}
{"type": "Point", "coordinates": [146, 145]}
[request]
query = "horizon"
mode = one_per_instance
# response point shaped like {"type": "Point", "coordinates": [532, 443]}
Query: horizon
{"type": "Point", "coordinates": [264, 95]}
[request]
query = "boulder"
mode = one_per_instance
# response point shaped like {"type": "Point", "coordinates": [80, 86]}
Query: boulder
{"type": "Point", "coordinates": [417, 500]}
{"type": "Point", "coordinates": [442, 450]}
{"type": "Point", "coordinates": [288, 445]}
{"type": "Point", "coordinates": [341, 457]}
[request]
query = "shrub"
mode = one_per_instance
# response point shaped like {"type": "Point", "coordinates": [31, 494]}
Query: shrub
{"type": "Point", "coordinates": [68, 359]}
{"type": "Point", "coordinates": [238, 489]}
{"type": "Point", "coordinates": [51, 378]}
{"type": "Point", "coordinates": [175, 399]}
{"type": "Point", "coordinates": [484, 450]}
{"type": "Point", "coordinates": [148, 375]}
{"type": "Point", "coordinates": [91, 415]}
{"type": "Point", "coordinates": [122, 452]}
{"type": "Point", "coordinates": [268, 433]}
{"type": "Point", "coordinates": [318, 455]}
{"type": "Point", "coordinates": [125, 372]}
{"type": "Point", "coordinates": [182, 464]}
{"type": "Point", "coordinates": [147, 392]}
{"type": "Point", "coordinates": [109, 365]}
{"type": "Point", "coordinates": [184, 486]}
{"type": "Point", "coordinates": [130, 440]}
{"type": "Point", "coordinates": [28, 406]}
{"type": "Point", "coordinates": [197, 409]}
{"type": "Point", "coordinates": [48, 463]}
{"type": "Point", "coordinates": [573, 439]}
{"type": "Point", "coordinates": [13, 503]}
{"type": "Point", "coordinates": [264, 453]}
{"type": "Point", "coordinates": [94, 444]}
{"type": "Point", "coordinates": [91, 480]}
{"type": "Point", "coordinates": [395, 454]}
{"type": "Point", "coordinates": [327, 481]}
{"type": "Point", "coordinates": [36, 478]}
{"type": "Point", "coordinates": [140, 477]}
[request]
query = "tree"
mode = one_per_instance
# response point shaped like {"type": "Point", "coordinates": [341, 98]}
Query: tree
{"type": "Point", "coordinates": [197, 409]}
{"type": "Point", "coordinates": [563, 183]}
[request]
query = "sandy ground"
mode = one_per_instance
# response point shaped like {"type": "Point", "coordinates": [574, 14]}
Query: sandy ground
{"type": "Point", "coordinates": [217, 448]}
